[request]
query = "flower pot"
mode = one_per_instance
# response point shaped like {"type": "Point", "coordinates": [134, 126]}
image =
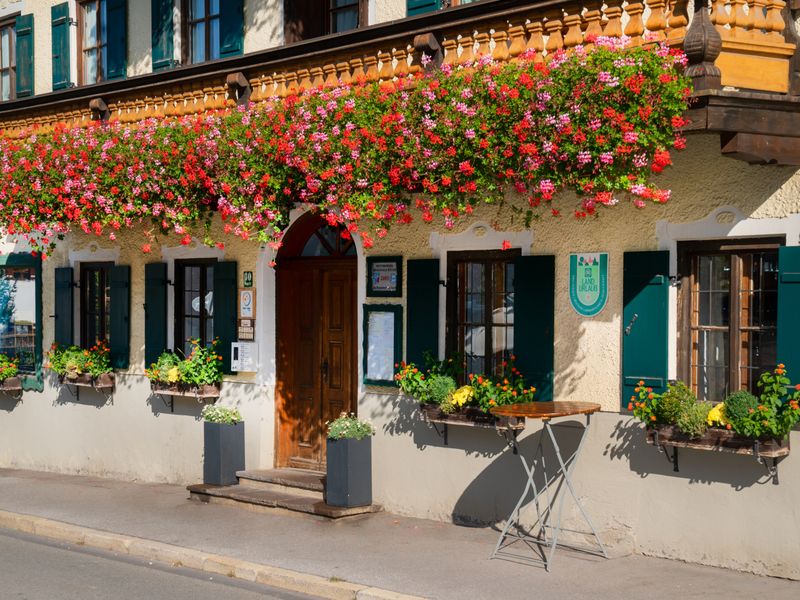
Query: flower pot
{"type": "Point", "coordinates": [223, 452]}
{"type": "Point", "coordinates": [349, 480]}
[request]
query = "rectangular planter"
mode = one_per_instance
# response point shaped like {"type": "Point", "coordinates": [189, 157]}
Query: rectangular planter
{"type": "Point", "coordinates": [471, 417]}
{"type": "Point", "coordinates": [718, 440]}
{"type": "Point", "coordinates": [102, 383]}
{"type": "Point", "coordinates": [210, 391]}
{"type": "Point", "coordinates": [349, 480]}
{"type": "Point", "coordinates": [223, 452]}
{"type": "Point", "coordinates": [11, 386]}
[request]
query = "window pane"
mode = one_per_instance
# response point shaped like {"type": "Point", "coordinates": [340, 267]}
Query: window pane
{"type": "Point", "coordinates": [715, 273]}
{"type": "Point", "coordinates": [213, 51]}
{"type": "Point", "coordinates": [5, 84]}
{"type": "Point", "coordinates": [198, 9]}
{"type": "Point", "coordinates": [714, 308]}
{"type": "Point", "coordinates": [712, 365]}
{"type": "Point", "coordinates": [103, 37]}
{"type": "Point", "coordinates": [90, 66]}
{"type": "Point", "coordinates": [199, 42]}
{"type": "Point", "coordinates": [213, 7]}
{"type": "Point", "coordinates": [759, 354]}
{"type": "Point", "coordinates": [89, 25]}
{"type": "Point", "coordinates": [18, 314]}
{"type": "Point", "coordinates": [5, 47]}
{"type": "Point", "coordinates": [344, 20]}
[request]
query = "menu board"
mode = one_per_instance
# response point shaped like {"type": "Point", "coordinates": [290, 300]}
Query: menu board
{"type": "Point", "coordinates": [382, 343]}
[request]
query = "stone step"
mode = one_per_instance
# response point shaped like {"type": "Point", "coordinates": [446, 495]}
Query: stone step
{"type": "Point", "coordinates": [299, 482]}
{"type": "Point", "coordinates": [267, 500]}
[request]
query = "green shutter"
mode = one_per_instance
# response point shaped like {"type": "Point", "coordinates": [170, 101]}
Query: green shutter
{"type": "Point", "coordinates": [788, 304]}
{"type": "Point", "coordinates": [225, 304]}
{"type": "Point", "coordinates": [162, 33]}
{"type": "Point", "coordinates": [645, 296]}
{"type": "Point", "coordinates": [59, 15]}
{"type": "Point", "coordinates": [422, 322]}
{"type": "Point", "coordinates": [24, 49]}
{"type": "Point", "coordinates": [418, 7]}
{"type": "Point", "coordinates": [155, 311]}
{"type": "Point", "coordinates": [117, 39]}
{"type": "Point", "coordinates": [231, 28]}
{"type": "Point", "coordinates": [63, 335]}
{"type": "Point", "coordinates": [534, 311]}
{"type": "Point", "coordinates": [120, 284]}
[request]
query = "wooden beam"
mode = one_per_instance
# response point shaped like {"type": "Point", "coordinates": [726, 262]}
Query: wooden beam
{"type": "Point", "coordinates": [761, 149]}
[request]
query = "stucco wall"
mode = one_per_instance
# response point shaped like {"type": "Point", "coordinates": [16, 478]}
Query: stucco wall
{"type": "Point", "coordinates": [717, 510]}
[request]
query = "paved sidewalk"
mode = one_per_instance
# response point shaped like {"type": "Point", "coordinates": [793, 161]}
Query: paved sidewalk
{"type": "Point", "coordinates": [379, 552]}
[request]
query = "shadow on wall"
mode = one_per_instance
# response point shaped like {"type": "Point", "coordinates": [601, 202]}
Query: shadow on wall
{"type": "Point", "coordinates": [8, 403]}
{"type": "Point", "coordinates": [85, 396]}
{"type": "Point", "coordinates": [697, 466]}
{"type": "Point", "coordinates": [185, 406]}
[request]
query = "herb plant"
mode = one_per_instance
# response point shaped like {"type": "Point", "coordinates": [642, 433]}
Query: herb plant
{"type": "Point", "coordinates": [348, 426]}
{"type": "Point", "coordinates": [212, 413]}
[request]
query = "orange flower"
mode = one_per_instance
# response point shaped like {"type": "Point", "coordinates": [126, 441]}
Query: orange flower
{"type": "Point", "coordinates": [630, 405]}
{"type": "Point", "coordinates": [652, 417]}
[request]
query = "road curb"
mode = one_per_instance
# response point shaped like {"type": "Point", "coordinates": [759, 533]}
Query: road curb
{"type": "Point", "coordinates": [195, 559]}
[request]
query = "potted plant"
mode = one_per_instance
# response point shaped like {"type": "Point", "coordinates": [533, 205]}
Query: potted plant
{"type": "Point", "coordinates": [223, 444]}
{"type": "Point", "coordinates": [349, 462]}
{"type": "Point", "coordinates": [9, 382]}
{"type": "Point", "coordinates": [82, 367]}
{"type": "Point", "coordinates": [198, 375]}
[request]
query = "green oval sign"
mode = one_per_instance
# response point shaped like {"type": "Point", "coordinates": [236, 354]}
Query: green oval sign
{"type": "Point", "coordinates": [588, 282]}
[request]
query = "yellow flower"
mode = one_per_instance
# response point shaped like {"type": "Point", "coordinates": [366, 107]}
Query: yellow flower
{"type": "Point", "coordinates": [173, 375]}
{"type": "Point", "coordinates": [716, 416]}
{"type": "Point", "coordinates": [462, 395]}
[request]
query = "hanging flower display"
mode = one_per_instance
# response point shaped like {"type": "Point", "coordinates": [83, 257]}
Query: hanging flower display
{"type": "Point", "coordinates": [598, 121]}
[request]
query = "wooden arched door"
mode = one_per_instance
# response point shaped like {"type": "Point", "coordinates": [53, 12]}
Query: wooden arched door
{"type": "Point", "coordinates": [316, 339]}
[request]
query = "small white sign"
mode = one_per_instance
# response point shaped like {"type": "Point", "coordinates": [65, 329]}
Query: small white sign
{"type": "Point", "coordinates": [244, 357]}
{"type": "Point", "coordinates": [247, 304]}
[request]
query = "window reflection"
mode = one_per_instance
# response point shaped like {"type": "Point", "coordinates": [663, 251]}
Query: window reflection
{"type": "Point", "coordinates": [18, 314]}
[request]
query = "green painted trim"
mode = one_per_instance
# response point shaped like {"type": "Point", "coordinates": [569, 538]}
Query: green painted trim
{"type": "Point", "coordinates": [398, 260]}
{"type": "Point", "coordinates": [397, 310]}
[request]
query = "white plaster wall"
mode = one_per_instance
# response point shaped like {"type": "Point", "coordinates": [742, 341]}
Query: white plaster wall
{"type": "Point", "coordinates": [11, 7]}
{"type": "Point", "coordinates": [386, 10]}
{"type": "Point", "coordinates": [263, 24]}
{"type": "Point", "coordinates": [140, 50]}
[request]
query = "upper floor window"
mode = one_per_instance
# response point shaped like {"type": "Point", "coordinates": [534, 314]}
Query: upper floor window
{"type": "Point", "coordinates": [203, 29]}
{"type": "Point", "coordinates": [93, 39]}
{"type": "Point", "coordinates": [8, 61]}
{"type": "Point", "coordinates": [306, 19]}
{"type": "Point", "coordinates": [729, 315]}
{"type": "Point", "coordinates": [480, 309]}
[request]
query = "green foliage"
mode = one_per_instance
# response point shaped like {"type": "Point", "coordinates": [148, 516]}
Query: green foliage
{"type": "Point", "coordinates": [738, 405]}
{"type": "Point", "coordinates": [70, 362]}
{"type": "Point", "coordinates": [203, 366]}
{"type": "Point", "coordinates": [672, 403]}
{"type": "Point", "coordinates": [777, 410]}
{"type": "Point", "coordinates": [348, 426]}
{"type": "Point", "coordinates": [645, 407]}
{"type": "Point", "coordinates": [440, 388]}
{"type": "Point", "coordinates": [212, 413]}
{"type": "Point", "coordinates": [692, 419]}
{"type": "Point", "coordinates": [8, 366]}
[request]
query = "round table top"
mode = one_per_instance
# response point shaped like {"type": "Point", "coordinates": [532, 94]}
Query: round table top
{"type": "Point", "coordinates": [546, 410]}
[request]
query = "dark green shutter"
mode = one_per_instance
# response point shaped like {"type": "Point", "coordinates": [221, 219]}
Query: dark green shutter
{"type": "Point", "coordinates": [63, 335]}
{"type": "Point", "coordinates": [788, 306]}
{"type": "Point", "coordinates": [231, 28]}
{"type": "Point", "coordinates": [417, 7]}
{"type": "Point", "coordinates": [225, 304]}
{"type": "Point", "coordinates": [117, 39]}
{"type": "Point", "coordinates": [155, 311]}
{"type": "Point", "coordinates": [645, 296]}
{"type": "Point", "coordinates": [422, 322]}
{"type": "Point", "coordinates": [162, 33]}
{"type": "Point", "coordinates": [534, 311]}
{"type": "Point", "coordinates": [59, 15]}
{"type": "Point", "coordinates": [120, 299]}
{"type": "Point", "coordinates": [24, 33]}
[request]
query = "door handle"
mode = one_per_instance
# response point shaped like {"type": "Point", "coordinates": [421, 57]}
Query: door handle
{"type": "Point", "coordinates": [324, 368]}
{"type": "Point", "coordinates": [630, 325]}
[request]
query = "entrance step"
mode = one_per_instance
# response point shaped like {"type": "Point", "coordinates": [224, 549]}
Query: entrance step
{"type": "Point", "coordinates": [268, 500]}
{"type": "Point", "coordinates": [298, 482]}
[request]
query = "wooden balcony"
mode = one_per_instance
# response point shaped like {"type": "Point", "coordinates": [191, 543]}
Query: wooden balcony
{"type": "Point", "coordinates": [742, 58]}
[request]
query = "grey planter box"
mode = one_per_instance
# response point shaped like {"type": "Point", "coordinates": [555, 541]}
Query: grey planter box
{"type": "Point", "coordinates": [223, 452]}
{"type": "Point", "coordinates": [349, 480]}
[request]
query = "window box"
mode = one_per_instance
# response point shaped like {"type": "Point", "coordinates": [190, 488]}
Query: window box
{"type": "Point", "coordinates": [470, 417]}
{"type": "Point", "coordinates": [718, 440]}
{"type": "Point", "coordinates": [101, 383]}
{"type": "Point", "coordinates": [201, 392]}
{"type": "Point", "coordinates": [11, 386]}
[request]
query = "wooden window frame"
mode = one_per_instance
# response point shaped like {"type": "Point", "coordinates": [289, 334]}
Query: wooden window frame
{"type": "Point", "coordinates": [363, 14]}
{"type": "Point", "coordinates": [687, 252]}
{"type": "Point", "coordinates": [187, 25]}
{"type": "Point", "coordinates": [100, 47]}
{"type": "Point", "coordinates": [179, 288]}
{"type": "Point", "coordinates": [105, 302]}
{"type": "Point", "coordinates": [10, 22]}
{"type": "Point", "coordinates": [454, 345]}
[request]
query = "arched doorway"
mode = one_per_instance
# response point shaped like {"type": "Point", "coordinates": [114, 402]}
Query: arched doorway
{"type": "Point", "coordinates": [316, 339]}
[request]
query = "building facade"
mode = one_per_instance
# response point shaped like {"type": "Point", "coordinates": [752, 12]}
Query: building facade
{"type": "Point", "coordinates": [699, 289]}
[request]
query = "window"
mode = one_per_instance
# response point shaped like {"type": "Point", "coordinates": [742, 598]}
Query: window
{"type": "Point", "coordinates": [8, 61]}
{"type": "Point", "coordinates": [729, 313]}
{"type": "Point", "coordinates": [95, 303]}
{"type": "Point", "coordinates": [343, 15]}
{"type": "Point", "coordinates": [480, 309]}
{"type": "Point", "coordinates": [92, 38]}
{"type": "Point", "coordinates": [19, 322]}
{"type": "Point", "coordinates": [194, 303]}
{"type": "Point", "coordinates": [306, 19]}
{"type": "Point", "coordinates": [203, 29]}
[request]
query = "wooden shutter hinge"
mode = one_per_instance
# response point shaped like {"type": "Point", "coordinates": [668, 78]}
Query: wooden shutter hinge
{"type": "Point", "coordinates": [676, 280]}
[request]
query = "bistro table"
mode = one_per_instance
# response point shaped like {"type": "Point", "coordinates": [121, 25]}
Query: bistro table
{"type": "Point", "coordinates": [543, 535]}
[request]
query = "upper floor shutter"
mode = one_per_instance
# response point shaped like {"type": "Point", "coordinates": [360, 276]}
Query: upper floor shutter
{"type": "Point", "coordinates": [162, 33]}
{"type": "Point", "coordinates": [418, 7]}
{"type": "Point", "coordinates": [116, 38]}
{"type": "Point", "coordinates": [231, 28]}
{"type": "Point", "coordinates": [59, 15]}
{"type": "Point", "coordinates": [24, 50]}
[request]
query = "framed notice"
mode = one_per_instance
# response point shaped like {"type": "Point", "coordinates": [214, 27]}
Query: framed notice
{"type": "Point", "coordinates": [588, 282]}
{"type": "Point", "coordinates": [383, 342]}
{"type": "Point", "coordinates": [247, 303]}
{"type": "Point", "coordinates": [385, 276]}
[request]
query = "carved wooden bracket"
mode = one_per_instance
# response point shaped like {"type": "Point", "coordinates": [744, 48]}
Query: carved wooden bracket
{"type": "Point", "coordinates": [428, 44]}
{"type": "Point", "coordinates": [238, 87]}
{"type": "Point", "coordinates": [702, 46]}
{"type": "Point", "coordinates": [99, 109]}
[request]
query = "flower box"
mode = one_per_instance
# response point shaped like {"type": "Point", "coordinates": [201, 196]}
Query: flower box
{"type": "Point", "coordinates": [11, 385]}
{"type": "Point", "coordinates": [102, 383]}
{"type": "Point", "coordinates": [718, 440]}
{"type": "Point", "coordinates": [471, 417]}
{"type": "Point", "coordinates": [201, 392]}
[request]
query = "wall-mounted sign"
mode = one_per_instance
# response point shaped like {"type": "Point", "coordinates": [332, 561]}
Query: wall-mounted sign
{"type": "Point", "coordinates": [247, 304]}
{"type": "Point", "coordinates": [383, 343]}
{"type": "Point", "coordinates": [385, 276]}
{"type": "Point", "coordinates": [588, 282]}
{"type": "Point", "coordinates": [244, 357]}
{"type": "Point", "coordinates": [248, 279]}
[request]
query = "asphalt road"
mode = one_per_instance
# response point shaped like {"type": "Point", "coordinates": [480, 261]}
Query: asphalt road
{"type": "Point", "coordinates": [36, 569]}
